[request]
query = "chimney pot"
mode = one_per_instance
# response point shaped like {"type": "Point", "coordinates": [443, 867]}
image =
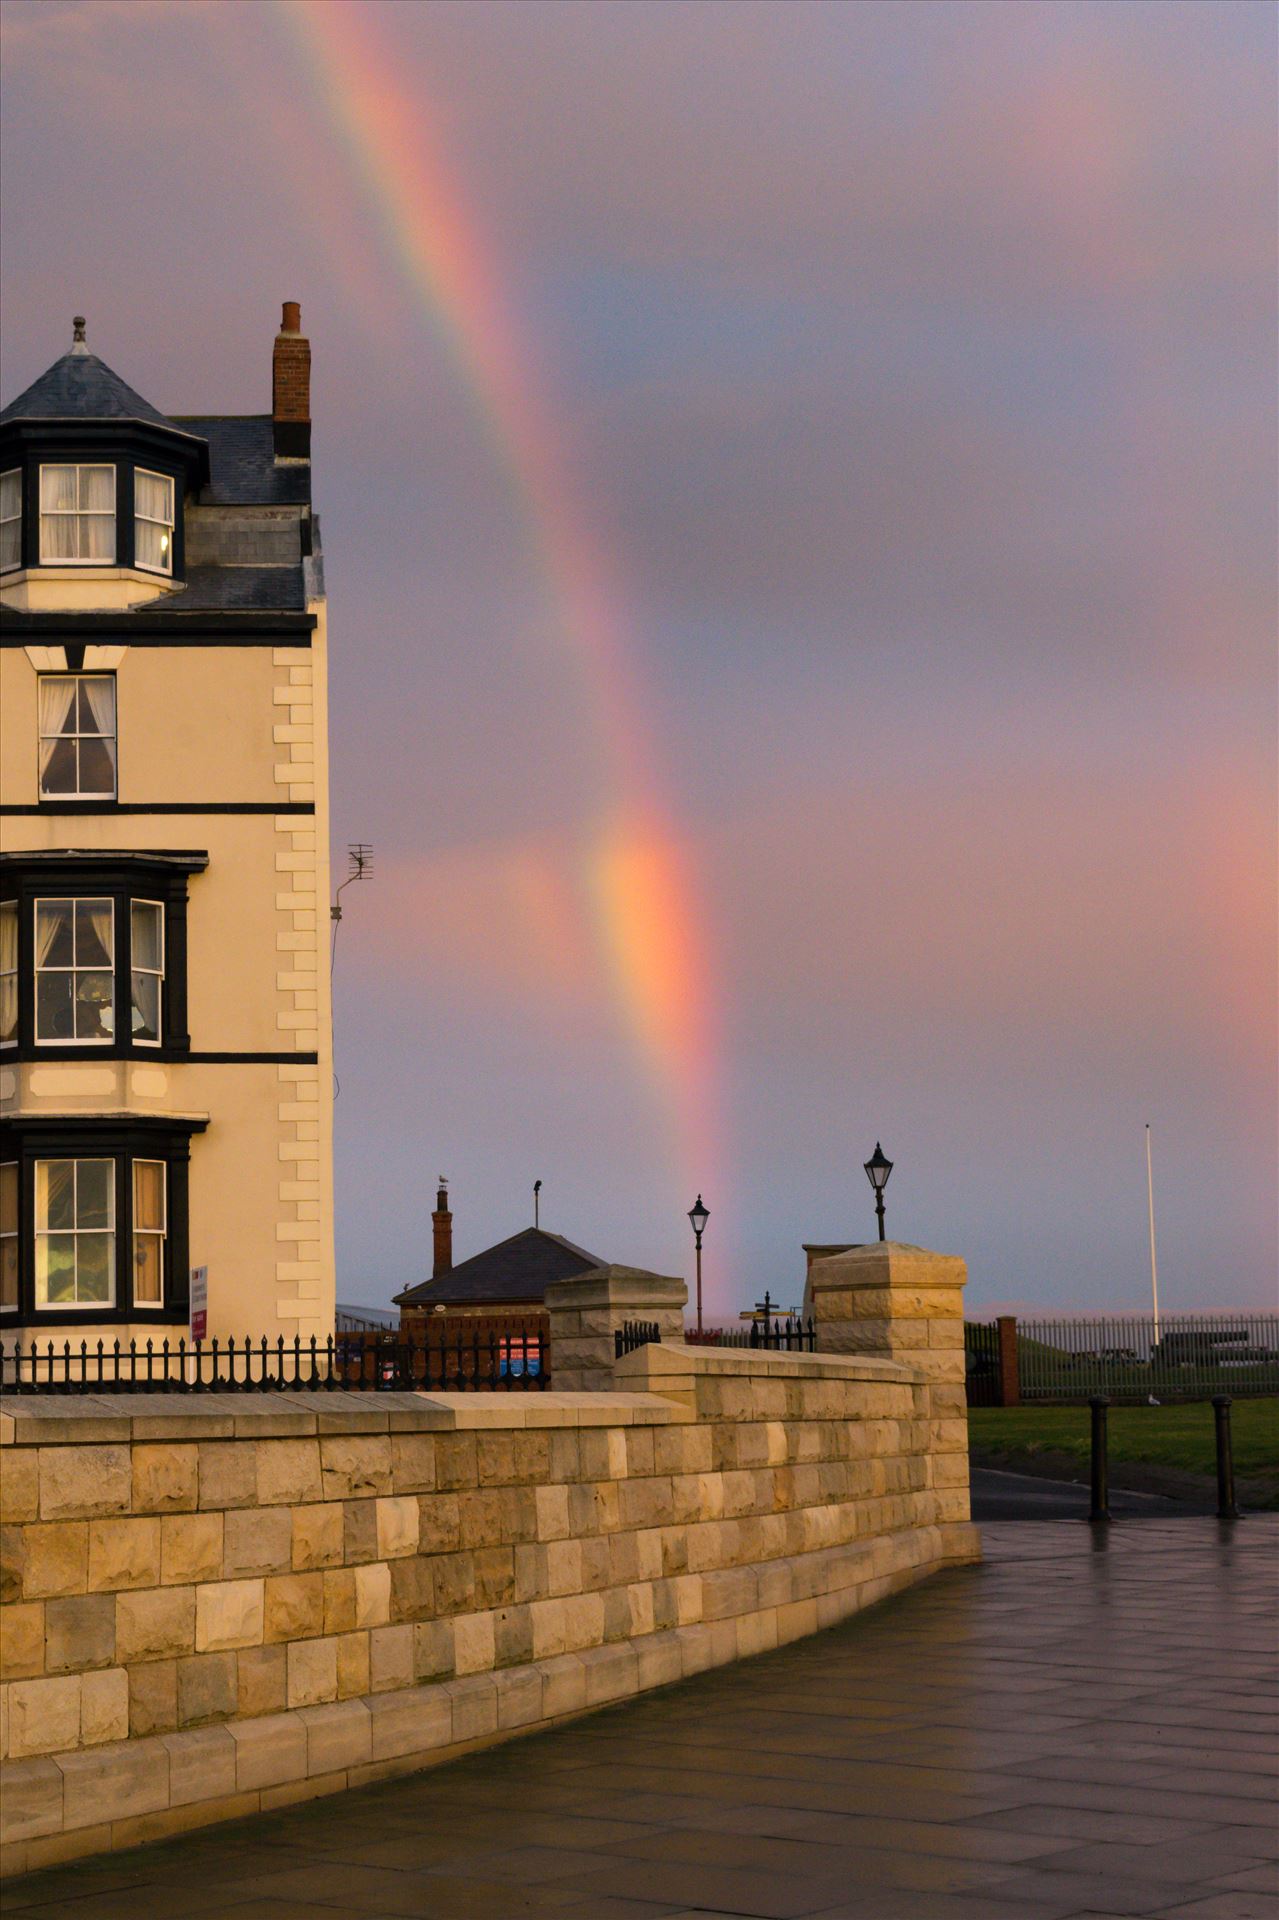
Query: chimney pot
{"type": "Point", "coordinates": [291, 387]}
{"type": "Point", "coordinates": [291, 319]}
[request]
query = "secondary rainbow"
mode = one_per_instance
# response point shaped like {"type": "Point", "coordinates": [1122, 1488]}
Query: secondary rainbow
{"type": "Point", "coordinates": [634, 864]}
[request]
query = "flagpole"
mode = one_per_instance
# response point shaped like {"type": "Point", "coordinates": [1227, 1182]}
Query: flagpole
{"type": "Point", "coordinates": [1150, 1201]}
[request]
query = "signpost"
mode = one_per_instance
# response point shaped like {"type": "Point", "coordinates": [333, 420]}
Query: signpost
{"type": "Point", "coordinates": [199, 1303]}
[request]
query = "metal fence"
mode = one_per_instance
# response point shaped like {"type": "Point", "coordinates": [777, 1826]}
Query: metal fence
{"type": "Point", "coordinates": [635, 1333]}
{"type": "Point", "coordinates": [354, 1361]}
{"type": "Point", "coordinates": [982, 1380]}
{"type": "Point", "coordinates": [1184, 1357]}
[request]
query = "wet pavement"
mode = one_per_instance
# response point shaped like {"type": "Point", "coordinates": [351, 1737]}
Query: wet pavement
{"type": "Point", "coordinates": [1085, 1725]}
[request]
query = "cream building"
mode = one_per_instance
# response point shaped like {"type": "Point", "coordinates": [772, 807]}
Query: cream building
{"type": "Point", "coordinates": [166, 1084]}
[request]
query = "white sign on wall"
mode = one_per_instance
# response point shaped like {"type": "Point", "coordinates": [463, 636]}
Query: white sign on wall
{"type": "Point", "coordinates": [199, 1302]}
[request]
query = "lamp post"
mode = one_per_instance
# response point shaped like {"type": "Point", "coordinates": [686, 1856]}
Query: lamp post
{"type": "Point", "coordinates": [877, 1171]}
{"type": "Point", "coordinates": [698, 1215]}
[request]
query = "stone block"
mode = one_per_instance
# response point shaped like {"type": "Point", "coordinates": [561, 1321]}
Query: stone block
{"type": "Point", "coordinates": [19, 1484]}
{"type": "Point", "coordinates": [456, 1461]}
{"type": "Point", "coordinates": [659, 1660]}
{"type": "Point", "coordinates": [288, 1472]}
{"type": "Point", "coordinates": [353, 1664]}
{"type": "Point", "coordinates": [114, 1782]}
{"type": "Point", "coordinates": [397, 1526]}
{"type": "Point", "coordinates": [552, 1513]}
{"type": "Point", "coordinates": [318, 1536]}
{"type": "Point", "coordinates": [79, 1632]}
{"type": "Point", "coordinates": [359, 1531]}
{"type": "Point", "coordinates": [355, 1466]}
{"type": "Point", "coordinates": [339, 1600]}
{"type": "Point", "coordinates": [230, 1613]}
{"type": "Point", "coordinates": [154, 1623]}
{"type": "Point", "coordinates": [294, 1606]}
{"type": "Point", "coordinates": [30, 1800]}
{"type": "Point", "coordinates": [258, 1540]}
{"type": "Point", "coordinates": [55, 1558]}
{"type": "Point", "coordinates": [474, 1707]}
{"type": "Point", "coordinates": [412, 1588]}
{"type": "Point", "coordinates": [13, 1555]}
{"type": "Point", "coordinates": [44, 1716]}
{"type": "Point", "coordinates": [165, 1479]}
{"type": "Point", "coordinates": [338, 1736]}
{"type": "Point", "coordinates": [373, 1595]}
{"type": "Point", "coordinates": [104, 1707]}
{"type": "Point", "coordinates": [432, 1649]}
{"type": "Point", "coordinates": [417, 1721]}
{"type": "Point", "coordinates": [390, 1658]}
{"type": "Point", "coordinates": [474, 1642]}
{"type": "Point", "coordinates": [413, 1462]}
{"type": "Point", "coordinates": [123, 1554]}
{"type": "Point", "coordinates": [261, 1679]}
{"type": "Point", "coordinates": [21, 1640]}
{"type": "Point", "coordinates": [268, 1752]}
{"type": "Point", "coordinates": [512, 1636]}
{"type": "Point", "coordinates": [153, 1697]}
{"type": "Point", "coordinates": [227, 1473]}
{"type": "Point", "coordinates": [519, 1697]}
{"type": "Point", "coordinates": [439, 1523]}
{"type": "Point", "coordinates": [312, 1671]}
{"type": "Point", "coordinates": [190, 1547]}
{"type": "Point", "coordinates": [201, 1765]}
{"type": "Point", "coordinates": [208, 1688]}
{"type": "Point", "coordinates": [79, 1483]}
{"type": "Point", "coordinates": [612, 1673]}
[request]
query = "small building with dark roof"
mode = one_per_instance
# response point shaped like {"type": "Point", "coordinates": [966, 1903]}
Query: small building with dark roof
{"type": "Point", "coordinates": [511, 1276]}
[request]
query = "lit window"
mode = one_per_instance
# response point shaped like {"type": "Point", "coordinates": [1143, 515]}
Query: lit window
{"type": "Point", "coordinates": [75, 971]}
{"type": "Point", "coordinates": [77, 736]}
{"type": "Point", "coordinates": [146, 918]}
{"type": "Point", "coordinates": [8, 1235]}
{"type": "Point", "coordinates": [8, 973]}
{"type": "Point", "coordinates": [77, 516]}
{"type": "Point", "coordinates": [10, 520]}
{"type": "Point", "coordinates": [75, 1233]}
{"type": "Point", "coordinates": [149, 1227]}
{"type": "Point", "coordinates": [153, 521]}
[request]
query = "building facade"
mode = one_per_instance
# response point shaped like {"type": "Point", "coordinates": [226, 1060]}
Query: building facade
{"type": "Point", "coordinates": [166, 1084]}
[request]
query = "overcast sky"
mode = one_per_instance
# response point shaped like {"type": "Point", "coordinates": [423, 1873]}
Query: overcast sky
{"type": "Point", "coordinates": [911, 368]}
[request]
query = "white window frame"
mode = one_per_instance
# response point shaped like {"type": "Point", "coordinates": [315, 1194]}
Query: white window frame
{"type": "Point", "coordinates": [149, 520]}
{"type": "Point", "coordinates": [61, 1040]}
{"type": "Point", "coordinates": [11, 907]}
{"type": "Point", "coordinates": [12, 1232]}
{"type": "Point", "coordinates": [157, 973]}
{"type": "Point", "coordinates": [113, 737]}
{"type": "Point", "coordinates": [80, 513]}
{"type": "Point", "coordinates": [149, 1233]}
{"type": "Point", "coordinates": [11, 519]}
{"type": "Point", "coordinates": [77, 1305]}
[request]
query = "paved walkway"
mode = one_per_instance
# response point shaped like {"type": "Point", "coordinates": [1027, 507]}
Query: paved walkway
{"type": "Point", "coordinates": [1079, 1727]}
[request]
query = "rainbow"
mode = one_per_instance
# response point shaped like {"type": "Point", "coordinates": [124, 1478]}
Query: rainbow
{"type": "Point", "coordinates": [634, 865]}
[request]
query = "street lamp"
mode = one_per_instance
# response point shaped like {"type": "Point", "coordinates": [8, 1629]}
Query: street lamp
{"type": "Point", "coordinates": [698, 1215]}
{"type": "Point", "coordinates": [877, 1172]}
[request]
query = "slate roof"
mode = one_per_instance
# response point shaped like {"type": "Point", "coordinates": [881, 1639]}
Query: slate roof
{"type": "Point", "coordinates": [521, 1268]}
{"type": "Point", "coordinates": [242, 465]}
{"type": "Point", "coordinates": [233, 589]}
{"type": "Point", "coordinates": [79, 386]}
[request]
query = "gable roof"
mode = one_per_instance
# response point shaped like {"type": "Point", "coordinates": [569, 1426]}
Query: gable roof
{"type": "Point", "coordinates": [79, 386]}
{"type": "Point", "coordinates": [521, 1268]}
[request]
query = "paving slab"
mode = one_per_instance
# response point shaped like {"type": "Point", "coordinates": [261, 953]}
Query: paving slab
{"type": "Point", "coordinates": [1080, 1728]}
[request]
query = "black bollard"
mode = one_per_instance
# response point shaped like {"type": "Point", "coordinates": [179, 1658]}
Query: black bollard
{"type": "Point", "coordinates": [1100, 1463]}
{"type": "Point", "coordinates": [1226, 1508]}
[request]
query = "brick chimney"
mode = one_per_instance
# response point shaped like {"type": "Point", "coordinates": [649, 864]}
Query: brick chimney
{"type": "Point", "coordinates": [291, 387]}
{"type": "Point", "coordinates": [442, 1228]}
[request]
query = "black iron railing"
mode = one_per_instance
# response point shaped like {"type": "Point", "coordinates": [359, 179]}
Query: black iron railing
{"type": "Point", "coordinates": [635, 1333]}
{"type": "Point", "coordinates": [366, 1363]}
{"type": "Point", "coordinates": [769, 1330]}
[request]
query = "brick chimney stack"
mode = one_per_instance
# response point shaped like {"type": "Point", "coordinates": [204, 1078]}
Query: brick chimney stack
{"type": "Point", "coordinates": [442, 1227]}
{"type": "Point", "coordinates": [291, 387]}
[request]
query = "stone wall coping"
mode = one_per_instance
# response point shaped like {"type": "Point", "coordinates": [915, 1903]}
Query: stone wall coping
{"type": "Point", "coordinates": [664, 1359]}
{"type": "Point", "coordinates": [81, 1419]}
{"type": "Point", "coordinates": [615, 1286]}
{"type": "Point", "coordinates": [887, 1263]}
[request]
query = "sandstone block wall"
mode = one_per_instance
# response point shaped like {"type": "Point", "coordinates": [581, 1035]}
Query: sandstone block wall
{"type": "Point", "coordinates": [215, 1606]}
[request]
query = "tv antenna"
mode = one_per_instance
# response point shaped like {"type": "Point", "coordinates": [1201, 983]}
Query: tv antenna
{"type": "Point", "coordinates": [537, 1188]}
{"type": "Point", "coordinates": [359, 855]}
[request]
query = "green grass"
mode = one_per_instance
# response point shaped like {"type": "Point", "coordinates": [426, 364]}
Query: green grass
{"type": "Point", "coordinates": [1181, 1437]}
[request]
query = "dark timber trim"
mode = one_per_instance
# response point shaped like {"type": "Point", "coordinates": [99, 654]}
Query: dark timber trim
{"type": "Point", "coordinates": [12, 809]}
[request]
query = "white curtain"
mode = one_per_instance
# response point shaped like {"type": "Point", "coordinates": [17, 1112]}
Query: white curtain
{"type": "Point", "coordinates": [100, 916]}
{"type": "Point", "coordinates": [101, 697]}
{"type": "Point", "coordinates": [97, 513]}
{"type": "Point", "coordinates": [51, 917]}
{"type": "Point", "coordinates": [56, 699]}
{"type": "Point", "coordinates": [57, 489]}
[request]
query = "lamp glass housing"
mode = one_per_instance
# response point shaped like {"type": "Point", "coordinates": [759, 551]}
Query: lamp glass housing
{"type": "Point", "coordinates": [878, 1169]}
{"type": "Point", "coordinates": [698, 1215]}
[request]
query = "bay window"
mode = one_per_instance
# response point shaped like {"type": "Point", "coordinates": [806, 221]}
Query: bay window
{"type": "Point", "coordinates": [153, 521]}
{"type": "Point", "coordinates": [94, 1218]}
{"type": "Point", "coordinates": [77, 736]}
{"type": "Point", "coordinates": [77, 515]}
{"type": "Point", "coordinates": [10, 520]}
{"type": "Point", "coordinates": [8, 973]}
{"type": "Point", "coordinates": [147, 969]}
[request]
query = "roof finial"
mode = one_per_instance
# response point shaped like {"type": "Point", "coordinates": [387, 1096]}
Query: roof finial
{"type": "Point", "coordinates": [78, 342]}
